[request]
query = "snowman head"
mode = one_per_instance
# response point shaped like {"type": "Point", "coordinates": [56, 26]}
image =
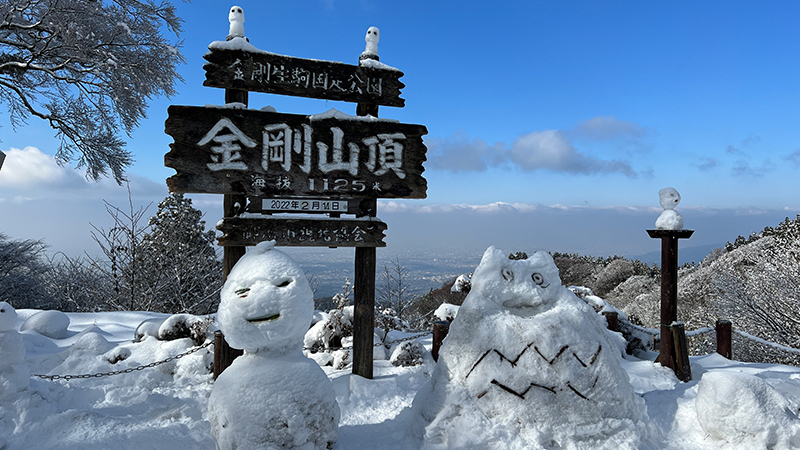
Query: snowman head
{"type": "Point", "coordinates": [669, 198]}
{"type": "Point", "coordinates": [373, 35]}
{"type": "Point", "coordinates": [519, 286]}
{"type": "Point", "coordinates": [8, 317]}
{"type": "Point", "coordinates": [266, 302]}
{"type": "Point", "coordinates": [236, 15]}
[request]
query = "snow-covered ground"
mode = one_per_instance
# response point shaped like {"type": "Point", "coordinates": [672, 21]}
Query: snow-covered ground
{"type": "Point", "coordinates": [165, 407]}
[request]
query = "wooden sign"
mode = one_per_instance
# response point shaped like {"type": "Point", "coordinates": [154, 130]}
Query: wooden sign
{"type": "Point", "coordinates": [220, 150]}
{"type": "Point", "coordinates": [2, 158]}
{"type": "Point", "coordinates": [260, 71]}
{"type": "Point", "coordinates": [306, 232]}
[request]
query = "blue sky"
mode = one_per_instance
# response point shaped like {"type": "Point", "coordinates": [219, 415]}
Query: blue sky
{"type": "Point", "coordinates": [588, 106]}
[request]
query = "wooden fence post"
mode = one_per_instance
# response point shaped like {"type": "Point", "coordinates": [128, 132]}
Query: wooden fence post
{"type": "Point", "coordinates": [612, 319]}
{"type": "Point", "coordinates": [683, 368]}
{"type": "Point", "coordinates": [224, 354]}
{"type": "Point", "coordinates": [724, 343]}
{"type": "Point", "coordinates": [440, 329]}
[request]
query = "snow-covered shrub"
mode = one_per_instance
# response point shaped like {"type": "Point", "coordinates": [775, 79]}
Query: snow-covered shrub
{"type": "Point", "coordinates": [462, 284]}
{"type": "Point", "coordinates": [446, 312]}
{"type": "Point", "coordinates": [179, 326]}
{"type": "Point", "coordinates": [408, 353]}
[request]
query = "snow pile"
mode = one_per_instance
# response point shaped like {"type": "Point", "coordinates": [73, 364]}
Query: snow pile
{"type": "Point", "coordinates": [272, 396]}
{"type": "Point", "coordinates": [746, 412]}
{"type": "Point", "coordinates": [527, 364]}
{"type": "Point", "coordinates": [52, 324]}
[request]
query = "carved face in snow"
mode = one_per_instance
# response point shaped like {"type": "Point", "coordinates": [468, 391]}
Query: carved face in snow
{"type": "Point", "coordinates": [519, 286]}
{"type": "Point", "coordinates": [8, 317]}
{"type": "Point", "coordinates": [266, 302]}
{"type": "Point", "coordinates": [669, 198]}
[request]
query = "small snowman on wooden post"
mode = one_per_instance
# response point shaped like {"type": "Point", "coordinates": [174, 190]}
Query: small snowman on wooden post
{"type": "Point", "coordinates": [669, 219]}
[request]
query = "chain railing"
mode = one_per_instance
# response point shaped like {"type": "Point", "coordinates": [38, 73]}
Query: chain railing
{"type": "Point", "coordinates": [128, 370]}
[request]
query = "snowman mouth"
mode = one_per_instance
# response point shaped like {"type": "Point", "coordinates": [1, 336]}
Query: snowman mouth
{"type": "Point", "coordinates": [263, 319]}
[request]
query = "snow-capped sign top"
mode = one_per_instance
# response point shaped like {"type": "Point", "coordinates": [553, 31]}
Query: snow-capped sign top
{"type": "Point", "coordinates": [239, 65]}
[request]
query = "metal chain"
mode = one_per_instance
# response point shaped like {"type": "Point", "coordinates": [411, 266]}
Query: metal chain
{"type": "Point", "coordinates": [129, 370]}
{"type": "Point", "coordinates": [409, 338]}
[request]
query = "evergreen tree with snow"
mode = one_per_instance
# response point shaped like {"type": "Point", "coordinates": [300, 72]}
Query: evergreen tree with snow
{"type": "Point", "coordinates": [178, 257]}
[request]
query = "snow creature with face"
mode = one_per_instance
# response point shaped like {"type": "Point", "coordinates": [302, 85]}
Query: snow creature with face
{"type": "Point", "coordinates": [272, 397]}
{"type": "Point", "coordinates": [372, 38]}
{"type": "Point", "coordinates": [669, 219]}
{"type": "Point", "coordinates": [236, 18]}
{"type": "Point", "coordinates": [528, 365]}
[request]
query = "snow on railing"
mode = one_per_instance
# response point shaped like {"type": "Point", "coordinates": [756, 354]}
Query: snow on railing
{"type": "Point", "coordinates": [774, 345]}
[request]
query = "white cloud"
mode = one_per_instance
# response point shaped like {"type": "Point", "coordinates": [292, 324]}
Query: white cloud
{"type": "Point", "coordinates": [550, 149]}
{"type": "Point", "coordinates": [29, 167]}
{"type": "Point", "coordinates": [458, 153]}
{"type": "Point", "coordinates": [606, 128]}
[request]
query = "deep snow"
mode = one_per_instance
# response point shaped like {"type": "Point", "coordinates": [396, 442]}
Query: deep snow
{"type": "Point", "coordinates": [166, 406]}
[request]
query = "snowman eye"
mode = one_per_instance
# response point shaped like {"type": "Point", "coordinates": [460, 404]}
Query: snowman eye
{"type": "Point", "coordinates": [284, 283]}
{"type": "Point", "coordinates": [508, 275]}
{"type": "Point", "coordinates": [2, 310]}
{"type": "Point", "coordinates": [537, 278]}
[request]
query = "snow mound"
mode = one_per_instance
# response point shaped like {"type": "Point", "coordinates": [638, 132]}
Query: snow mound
{"type": "Point", "coordinates": [52, 324]}
{"type": "Point", "coordinates": [745, 410]}
{"type": "Point", "coordinates": [446, 312]}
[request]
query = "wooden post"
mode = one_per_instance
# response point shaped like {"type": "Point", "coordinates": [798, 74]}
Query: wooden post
{"type": "Point", "coordinates": [440, 329]}
{"type": "Point", "coordinates": [683, 368]}
{"type": "Point", "coordinates": [232, 205]}
{"type": "Point", "coordinates": [724, 343]}
{"type": "Point", "coordinates": [669, 290]}
{"type": "Point", "coordinates": [364, 288]}
{"type": "Point", "coordinates": [224, 354]}
{"type": "Point", "coordinates": [612, 319]}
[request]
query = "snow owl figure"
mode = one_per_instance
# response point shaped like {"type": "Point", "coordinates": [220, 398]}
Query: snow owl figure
{"type": "Point", "coordinates": [669, 219]}
{"type": "Point", "coordinates": [272, 396]}
{"type": "Point", "coordinates": [372, 38]}
{"type": "Point", "coordinates": [527, 364]}
{"type": "Point", "coordinates": [236, 18]}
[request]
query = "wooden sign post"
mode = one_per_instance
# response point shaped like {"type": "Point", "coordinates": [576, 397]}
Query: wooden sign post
{"type": "Point", "coordinates": [272, 165]}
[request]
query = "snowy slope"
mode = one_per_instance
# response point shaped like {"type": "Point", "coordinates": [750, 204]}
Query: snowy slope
{"type": "Point", "coordinates": [165, 406]}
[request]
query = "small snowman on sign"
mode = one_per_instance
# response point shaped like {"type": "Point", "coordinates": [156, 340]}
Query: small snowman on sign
{"type": "Point", "coordinates": [669, 219]}
{"type": "Point", "coordinates": [236, 18]}
{"type": "Point", "coordinates": [372, 38]}
{"type": "Point", "coordinates": [272, 396]}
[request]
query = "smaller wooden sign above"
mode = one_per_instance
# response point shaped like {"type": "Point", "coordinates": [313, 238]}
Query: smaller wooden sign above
{"type": "Point", "coordinates": [250, 69]}
{"type": "Point", "coordinates": [305, 232]}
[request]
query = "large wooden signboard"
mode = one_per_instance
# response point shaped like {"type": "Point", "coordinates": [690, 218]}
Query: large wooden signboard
{"type": "Point", "coordinates": [305, 232]}
{"type": "Point", "coordinates": [266, 154]}
{"type": "Point", "coordinates": [259, 71]}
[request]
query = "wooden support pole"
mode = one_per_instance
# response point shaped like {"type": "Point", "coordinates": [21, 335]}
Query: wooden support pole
{"type": "Point", "coordinates": [724, 342]}
{"type": "Point", "coordinates": [232, 205]}
{"type": "Point", "coordinates": [669, 290]}
{"type": "Point", "coordinates": [364, 288]}
{"type": "Point", "coordinates": [683, 369]}
{"type": "Point", "coordinates": [440, 330]}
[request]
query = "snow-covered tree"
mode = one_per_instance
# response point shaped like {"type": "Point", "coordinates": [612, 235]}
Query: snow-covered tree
{"type": "Point", "coordinates": [88, 68]}
{"type": "Point", "coordinates": [395, 291]}
{"type": "Point", "coordinates": [21, 273]}
{"type": "Point", "coordinates": [178, 259]}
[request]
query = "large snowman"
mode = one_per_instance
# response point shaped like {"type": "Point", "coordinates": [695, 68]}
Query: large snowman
{"type": "Point", "coordinates": [528, 365]}
{"type": "Point", "coordinates": [272, 397]}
